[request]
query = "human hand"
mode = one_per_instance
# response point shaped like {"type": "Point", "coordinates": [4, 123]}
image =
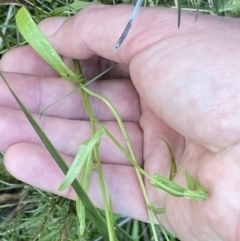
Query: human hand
{"type": "Point", "coordinates": [187, 81]}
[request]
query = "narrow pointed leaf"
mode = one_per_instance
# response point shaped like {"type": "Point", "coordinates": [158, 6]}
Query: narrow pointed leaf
{"type": "Point", "coordinates": [74, 7]}
{"type": "Point", "coordinates": [196, 195]}
{"type": "Point", "coordinates": [76, 166]}
{"type": "Point", "coordinates": [216, 5]}
{"type": "Point", "coordinates": [81, 215]}
{"type": "Point", "coordinates": [84, 181]}
{"type": "Point", "coordinates": [167, 185]}
{"type": "Point", "coordinates": [194, 184]}
{"type": "Point", "coordinates": [173, 168]}
{"type": "Point", "coordinates": [190, 180]}
{"type": "Point", "coordinates": [34, 36]}
{"type": "Point", "coordinates": [155, 210]}
{"type": "Point", "coordinates": [199, 186]}
{"type": "Point", "coordinates": [84, 151]}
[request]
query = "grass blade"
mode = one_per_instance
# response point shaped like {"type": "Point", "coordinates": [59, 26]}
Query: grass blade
{"type": "Point", "coordinates": [92, 212]}
{"type": "Point", "coordinates": [216, 5]}
{"type": "Point", "coordinates": [129, 24]}
{"type": "Point", "coordinates": [179, 6]}
{"type": "Point", "coordinates": [84, 181]}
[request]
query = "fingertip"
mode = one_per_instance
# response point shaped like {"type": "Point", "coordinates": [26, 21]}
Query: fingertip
{"type": "Point", "coordinates": [31, 163]}
{"type": "Point", "coordinates": [50, 25]}
{"type": "Point", "coordinates": [95, 30]}
{"type": "Point", "coordinates": [26, 60]}
{"type": "Point", "coordinates": [10, 161]}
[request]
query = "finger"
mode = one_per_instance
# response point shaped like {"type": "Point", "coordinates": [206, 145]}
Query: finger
{"type": "Point", "coordinates": [70, 36]}
{"type": "Point", "coordinates": [25, 60]}
{"type": "Point", "coordinates": [38, 93]}
{"type": "Point", "coordinates": [67, 135]}
{"type": "Point", "coordinates": [33, 164]}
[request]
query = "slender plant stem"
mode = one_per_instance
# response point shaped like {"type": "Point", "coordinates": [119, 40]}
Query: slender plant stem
{"type": "Point", "coordinates": [106, 201]}
{"type": "Point", "coordinates": [125, 135]}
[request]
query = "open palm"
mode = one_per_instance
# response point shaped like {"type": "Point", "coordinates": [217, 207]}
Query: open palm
{"type": "Point", "coordinates": [184, 88]}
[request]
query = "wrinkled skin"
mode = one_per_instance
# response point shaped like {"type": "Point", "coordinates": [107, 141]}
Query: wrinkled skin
{"type": "Point", "coordinates": [184, 87]}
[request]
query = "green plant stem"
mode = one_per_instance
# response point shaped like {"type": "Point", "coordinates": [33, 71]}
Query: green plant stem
{"type": "Point", "coordinates": [79, 87]}
{"type": "Point", "coordinates": [125, 135]}
{"type": "Point", "coordinates": [128, 156]}
{"type": "Point", "coordinates": [88, 109]}
{"type": "Point", "coordinates": [106, 198]}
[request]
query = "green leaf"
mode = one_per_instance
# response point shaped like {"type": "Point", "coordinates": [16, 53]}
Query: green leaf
{"type": "Point", "coordinates": [173, 168]}
{"type": "Point", "coordinates": [34, 36]}
{"type": "Point", "coordinates": [199, 186]}
{"type": "Point", "coordinates": [226, 7]}
{"type": "Point", "coordinates": [190, 180]}
{"type": "Point", "coordinates": [135, 230]}
{"type": "Point", "coordinates": [81, 215]}
{"type": "Point", "coordinates": [92, 212]}
{"type": "Point", "coordinates": [155, 210]}
{"type": "Point", "coordinates": [167, 185]}
{"type": "Point", "coordinates": [84, 181]}
{"type": "Point", "coordinates": [74, 7]}
{"type": "Point", "coordinates": [84, 151]}
{"type": "Point", "coordinates": [196, 191]}
{"type": "Point", "coordinates": [216, 5]}
{"type": "Point", "coordinates": [49, 236]}
{"type": "Point", "coordinates": [196, 195]}
{"type": "Point", "coordinates": [76, 166]}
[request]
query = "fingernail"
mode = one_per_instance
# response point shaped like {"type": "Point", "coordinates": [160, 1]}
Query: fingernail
{"type": "Point", "coordinates": [49, 26]}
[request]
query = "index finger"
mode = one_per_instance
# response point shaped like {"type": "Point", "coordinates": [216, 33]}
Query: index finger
{"type": "Point", "coordinates": [96, 29]}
